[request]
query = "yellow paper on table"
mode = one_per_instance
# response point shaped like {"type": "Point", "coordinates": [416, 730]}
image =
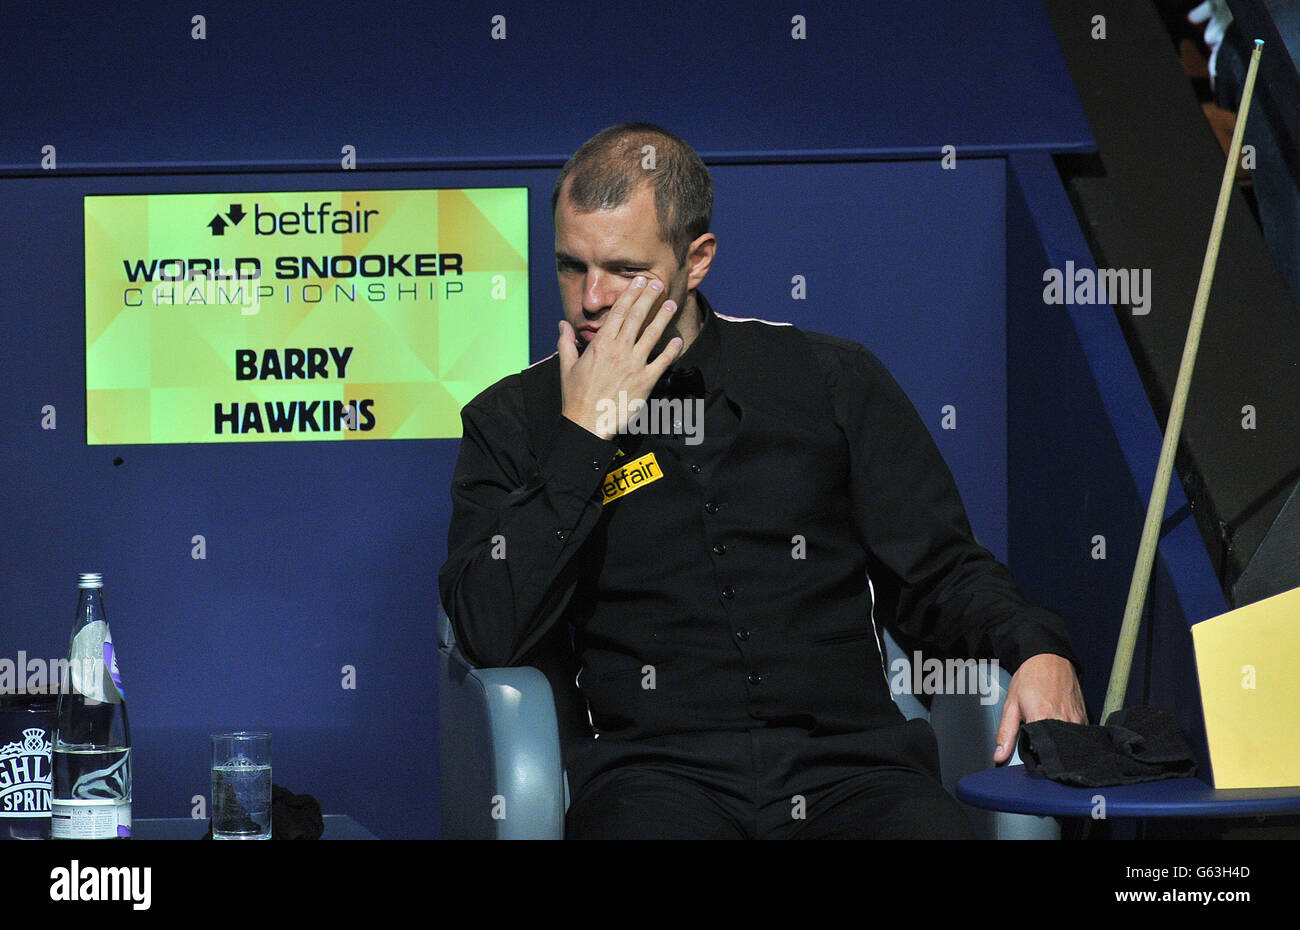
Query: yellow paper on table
{"type": "Point", "coordinates": [1248, 661]}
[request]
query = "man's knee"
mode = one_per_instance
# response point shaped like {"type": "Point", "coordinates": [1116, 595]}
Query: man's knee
{"type": "Point", "coordinates": [929, 818]}
{"type": "Point", "coordinates": [640, 804]}
{"type": "Point", "coordinates": [888, 805]}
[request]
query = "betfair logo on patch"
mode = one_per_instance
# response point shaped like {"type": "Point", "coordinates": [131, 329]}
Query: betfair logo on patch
{"type": "Point", "coordinates": [627, 478]}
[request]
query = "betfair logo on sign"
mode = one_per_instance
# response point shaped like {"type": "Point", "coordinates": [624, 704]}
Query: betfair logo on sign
{"type": "Point", "coordinates": [629, 477]}
{"type": "Point", "coordinates": [313, 219]}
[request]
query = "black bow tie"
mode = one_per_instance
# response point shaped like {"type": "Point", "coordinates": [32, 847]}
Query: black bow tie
{"type": "Point", "coordinates": [680, 382]}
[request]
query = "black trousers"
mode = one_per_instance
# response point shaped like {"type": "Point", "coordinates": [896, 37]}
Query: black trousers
{"type": "Point", "coordinates": [766, 783]}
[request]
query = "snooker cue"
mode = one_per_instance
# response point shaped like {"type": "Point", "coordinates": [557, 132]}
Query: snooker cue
{"type": "Point", "coordinates": [1119, 673]}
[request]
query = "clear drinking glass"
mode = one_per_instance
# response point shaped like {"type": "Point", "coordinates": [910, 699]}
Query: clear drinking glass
{"type": "Point", "coordinates": [241, 786]}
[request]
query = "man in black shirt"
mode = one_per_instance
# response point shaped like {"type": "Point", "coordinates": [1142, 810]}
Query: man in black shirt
{"type": "Point", "coordinates": [724, 556]}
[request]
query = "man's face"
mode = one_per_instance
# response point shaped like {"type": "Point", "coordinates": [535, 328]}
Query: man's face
{"type": "Point", "coordinates": [598, 254]}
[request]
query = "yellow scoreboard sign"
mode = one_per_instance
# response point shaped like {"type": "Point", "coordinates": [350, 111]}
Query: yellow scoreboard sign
{"type": "Point", "coordinates": [312, 315]}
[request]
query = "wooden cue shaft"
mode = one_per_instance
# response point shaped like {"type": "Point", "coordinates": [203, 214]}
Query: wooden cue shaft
{"type": "Point", "coordinates": [1119, 673]}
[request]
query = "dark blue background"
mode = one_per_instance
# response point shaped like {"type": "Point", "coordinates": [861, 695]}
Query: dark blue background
{"type": "Point", "coordinates": [424, 84]}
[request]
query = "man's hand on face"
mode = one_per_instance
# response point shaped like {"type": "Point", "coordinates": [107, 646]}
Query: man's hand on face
{"type": "Point", "coordinates": [1044, 687]}
{"type": "Point", "coordinates": [616, 360]}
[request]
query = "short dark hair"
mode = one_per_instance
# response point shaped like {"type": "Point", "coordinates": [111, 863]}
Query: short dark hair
{"type": "Point", "coordinates": [609, 167]}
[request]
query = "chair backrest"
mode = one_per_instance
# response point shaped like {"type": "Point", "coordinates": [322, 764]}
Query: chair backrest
{"type": "Point", "coordinates": [909, 703]}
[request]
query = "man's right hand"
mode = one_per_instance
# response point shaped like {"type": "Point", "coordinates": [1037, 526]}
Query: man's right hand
{"type": "Point", "coordinates": [616, 360]}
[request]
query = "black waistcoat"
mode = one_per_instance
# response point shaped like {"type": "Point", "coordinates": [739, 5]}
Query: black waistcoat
{"type": "Point", "coordinates": [740, 600]}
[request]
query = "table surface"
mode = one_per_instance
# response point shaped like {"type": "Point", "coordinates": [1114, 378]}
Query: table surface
{"type": "Point", "coordinates": [337, 827]}
{"type": "Point", "coordinates": [1017, 791]}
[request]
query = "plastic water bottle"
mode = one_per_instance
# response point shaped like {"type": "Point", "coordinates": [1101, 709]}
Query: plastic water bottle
{"type": "Point", "coordinates": [92, 742]}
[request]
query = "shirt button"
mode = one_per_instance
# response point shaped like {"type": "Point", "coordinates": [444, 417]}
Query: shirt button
{"type": "Point", "coordinates": [742, 634]}
{"type": "Point", "coordinates": [695, 468]}
{"type": "Point", "coordinates": [595, 466]}
{"type": "Point", "coordinates": [560, 534]}
{"type": "Point", "coordinates": [710, 507]}
{"type": "Point", "coordinates": [755, 678]}
{"type": "Point", "coordinates": [719, 549]}
{"type": "Point", "coordinates": [728, 592]}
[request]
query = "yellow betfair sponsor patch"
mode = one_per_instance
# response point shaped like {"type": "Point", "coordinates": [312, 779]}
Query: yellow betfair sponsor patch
{"type": "Point", "coordinates": [627, 478]}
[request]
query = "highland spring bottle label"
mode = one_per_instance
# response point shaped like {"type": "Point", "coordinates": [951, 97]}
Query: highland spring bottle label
{"type": "Point", "coordinates": [26, 739]}
{"type": "Point", "coordinates": [25, 775]}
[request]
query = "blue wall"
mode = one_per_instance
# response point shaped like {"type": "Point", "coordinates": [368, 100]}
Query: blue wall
{"type": "Point", "coordinates": [1082, 460]}
{"type": "Point", "coordinates": [285, 85]}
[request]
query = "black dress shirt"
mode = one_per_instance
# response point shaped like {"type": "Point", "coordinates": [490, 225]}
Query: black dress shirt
{"type": "Point", "coordinates": [742, 582]}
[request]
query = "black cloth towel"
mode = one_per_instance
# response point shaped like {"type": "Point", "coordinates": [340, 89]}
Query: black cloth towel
{"type": "Point", "coordinates": [1137, 744]}
{"type": "Point", "coordinates": [293, 816]}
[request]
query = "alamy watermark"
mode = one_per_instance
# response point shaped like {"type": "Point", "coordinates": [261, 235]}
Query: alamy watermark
{"type": "Point", "coordinates": [77, 882]}
{"type": "Point", "coordinates": [1114, 286]}
{"type": "Point", "coordinates": [662, 416]}
{"type": "Point", "coordinates": [945, 676]}
{"type": "Point", "coordinates": [35, 675]}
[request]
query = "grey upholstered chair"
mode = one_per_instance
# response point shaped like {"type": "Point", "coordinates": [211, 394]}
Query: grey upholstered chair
{"type": "Point", "coordinates": [501, 732]}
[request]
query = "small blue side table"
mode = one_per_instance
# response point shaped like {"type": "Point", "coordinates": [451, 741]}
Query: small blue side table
{"type": "Point", "coordinates": [1013, 789]}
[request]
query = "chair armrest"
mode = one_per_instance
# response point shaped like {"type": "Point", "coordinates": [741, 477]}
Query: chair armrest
{"type": "Point", "coordinates": [501, 770]}
{"type": "Point", "coordinates": [966, 726]}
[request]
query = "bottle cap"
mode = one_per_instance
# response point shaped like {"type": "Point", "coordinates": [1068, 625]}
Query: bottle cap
{"type": "Point", "coordinates": [90, 580]}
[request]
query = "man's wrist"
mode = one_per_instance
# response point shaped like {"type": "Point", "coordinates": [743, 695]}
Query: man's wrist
{"type": "Point", "coordinates": [1078, 671]}
{"type": "Point", "coordinates": [588, 426]}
